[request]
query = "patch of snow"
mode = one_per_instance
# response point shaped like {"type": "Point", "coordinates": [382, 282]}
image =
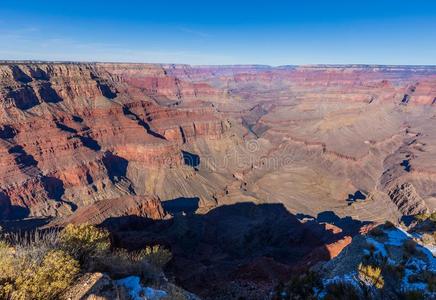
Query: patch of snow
{"type": "Point", "coordinates": [391, 261]}
{"type": "Point", "coordinates": [138, 292]}
{"type": "Point", "coordinates": [397, 236]}
{"type": "Point", "coordinates": [416, 235]}
{"type": "Point", "coordinates": [431, 259]}
{"type": "Point", "coordinates": [429, 251]}
{"type": "Point", "coordinates": [322, 294]}
{"type": "Point", "coordinates": [347, 278]}
{"type": "Point", "coordinates": [416, 264]}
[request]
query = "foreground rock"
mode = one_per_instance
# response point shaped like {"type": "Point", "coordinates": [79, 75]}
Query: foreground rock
{"type": "Point", "coordinates": [407, 265]}
{"type": "Point", "coordinates": [98, 286]}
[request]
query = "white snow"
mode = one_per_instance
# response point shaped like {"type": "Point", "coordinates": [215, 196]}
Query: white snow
{"type": "Point", "coordinates": [396, 237]}
{"type": "Point", "coordinates": [138, 292]}
{"type": "Point", "coordinates": [431, 265]}
{"type": "Point", "coordinates": [347, 278]}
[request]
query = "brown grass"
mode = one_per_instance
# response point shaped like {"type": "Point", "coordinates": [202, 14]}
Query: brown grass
{"type": "Point", "coordinates": [370, 276]}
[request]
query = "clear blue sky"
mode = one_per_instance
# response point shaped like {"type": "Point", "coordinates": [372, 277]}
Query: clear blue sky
{"type": "Point", "coordinates": [221, 31]}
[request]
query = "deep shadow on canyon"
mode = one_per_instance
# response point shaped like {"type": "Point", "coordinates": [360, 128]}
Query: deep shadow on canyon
{"type": "Point", "coordinates": [235, 251]}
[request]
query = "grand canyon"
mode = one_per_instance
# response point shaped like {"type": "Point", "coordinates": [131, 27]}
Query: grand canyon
{"type": "Point", "coordinates": [247, 173]}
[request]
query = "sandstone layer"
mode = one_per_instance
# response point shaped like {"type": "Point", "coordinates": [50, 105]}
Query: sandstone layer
{"type": "Point", "coordinates": [311, 137]}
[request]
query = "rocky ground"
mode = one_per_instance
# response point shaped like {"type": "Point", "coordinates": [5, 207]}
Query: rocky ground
{"type": "Point", "coordinates": [406, 261]}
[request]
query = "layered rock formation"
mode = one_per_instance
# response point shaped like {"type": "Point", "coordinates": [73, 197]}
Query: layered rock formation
{"type": "Point", "coordinates": [75, 133]}
{"type": "Point", "coordinates": [72, 134]}
{"type": "Point", "coordinates": [98, 212]}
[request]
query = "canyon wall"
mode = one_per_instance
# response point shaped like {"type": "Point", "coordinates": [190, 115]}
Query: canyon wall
{"type": "Point", "coordinates": [315, 138]}
{"type": "Point", "coordinates": [72, 133]}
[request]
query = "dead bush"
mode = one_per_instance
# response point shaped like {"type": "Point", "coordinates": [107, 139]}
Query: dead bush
{"type": "Point", "coordinates": [46, 281]}
{"type": "Point", "coordinates": [370, 276]}
{"type": "Point", "coordinates": [146, 263]}
{"type": "Point", "coordinates": [84, 241]}
{"type": "Point", "coordinates": [23, 277]}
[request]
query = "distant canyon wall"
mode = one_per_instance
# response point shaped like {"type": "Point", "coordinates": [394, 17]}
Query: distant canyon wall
{"type": "Point", "coordinates": [73, 134]}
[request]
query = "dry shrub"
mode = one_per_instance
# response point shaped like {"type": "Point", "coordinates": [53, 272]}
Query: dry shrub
{"type": "Point", "coordinates": [120, 263]}
{"type": "Point", "coordinates": [300, 287]}
{"type": "Point", "coordinates": [146, 263]}
{"type": "Point", "coordinates": [24, 278]}
{"type": "Point", "coordinates": [156, 255]}
{"type": "Point", "coordinates": [429, 238]}
{"type": "Point", "coordinates": [47, 281]}
{"type": "Point", "coordinates": [7, 269]}
{"type": "Point", "coordinates": [41, 265]}
{"type": "Point", "coordinates": [421, 217]}
{"type": "Point", "coordinates": [370, 276]}
{"type": "Point", "coordinates": [426, 216]}
{"type": "Point", "coordinates": [84, 241]}
{"type": "Point", "coordinates": [410, 249]}
{"type": "Point", "coordinates": [34, 245]}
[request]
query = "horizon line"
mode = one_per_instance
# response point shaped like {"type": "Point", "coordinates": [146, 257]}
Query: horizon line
{"type": "Point", "coordinates": [41, 61]}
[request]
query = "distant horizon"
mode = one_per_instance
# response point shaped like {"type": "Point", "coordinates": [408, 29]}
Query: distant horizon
{"type": "Point", "coordinates": [274, 33]}
{"type": "Point", "coordinates": [37, 61]}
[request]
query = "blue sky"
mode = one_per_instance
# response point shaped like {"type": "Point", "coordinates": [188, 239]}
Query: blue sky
{"type": "Point", "coordinates": [221, 32]}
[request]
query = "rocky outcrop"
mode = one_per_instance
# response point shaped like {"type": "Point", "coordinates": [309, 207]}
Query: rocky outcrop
{"type": "Point", "coordinates": [96, 213]}
{"type": "Point", "coordinates": [95, 286]}
{"type": "Point", "coordinates": [407, 199]}
{"type": "Point", "coordinates": [27, 85]}
{"type": "Point", "coordinates": [99, 286]}
{"type": "Point", "coordinates": [402, 258]}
